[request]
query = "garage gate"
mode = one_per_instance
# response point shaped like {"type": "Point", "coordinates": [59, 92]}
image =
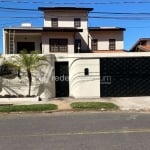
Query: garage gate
{"type": "Point", "coordinates": [121, 77]}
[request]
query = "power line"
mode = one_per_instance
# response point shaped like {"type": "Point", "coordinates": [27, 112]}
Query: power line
{"type": "Point", "coordinates": [114, 13]}
{"type": "Point", "coordinates": [91, 17]}
{"type": "Point", "coordinates": [20, 9]}
{"type": "Point", "coordinates": [76, 3]}
{"type": "Point", "coordinates": [128, 17]}
{"type": "Point", "coordinates": [16, 22]}
{"type": "Point", "coordinates": [18, 17]}
{"type": "Point", "coordinates": [122, 13]}
{"type": "Point", "coordinates": [120, 18]}
{"type": "Point", "coordinates": [32, 2]}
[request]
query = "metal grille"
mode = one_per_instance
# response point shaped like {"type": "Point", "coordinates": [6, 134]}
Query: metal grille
{"type": "Point", "coordinates": [129, 77]}
{"type": "Point", "coordinates": [77, 22]}
{"type": "Point", "coordinates": [58, 45]}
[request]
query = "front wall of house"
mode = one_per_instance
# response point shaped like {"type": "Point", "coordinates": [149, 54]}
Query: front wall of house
{"type": "Point", "coordinates": [81, 84]}
{"type": "Point", "coordinates": [65, 19]}
{"type": "Point", "coordinates": [104, 36]}
{"type": "Point", "coordinates": [43, 85]}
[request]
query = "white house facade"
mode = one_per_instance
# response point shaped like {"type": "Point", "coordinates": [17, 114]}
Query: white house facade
{"type": "Point", "coordinates": [65, 31]}
{"type": "Point", "coordinates": [77, 54]}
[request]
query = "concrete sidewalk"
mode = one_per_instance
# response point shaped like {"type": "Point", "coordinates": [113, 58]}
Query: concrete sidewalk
{"type": "Point", "coordinates": [132, 103]}
{"type": "Point", "coordinates": [125, 103]}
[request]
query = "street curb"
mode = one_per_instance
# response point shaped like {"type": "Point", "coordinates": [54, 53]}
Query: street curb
{"type": "Point", "coordinates": [73, 110]}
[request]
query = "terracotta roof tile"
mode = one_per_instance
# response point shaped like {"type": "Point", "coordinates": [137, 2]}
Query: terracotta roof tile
{"type": "Point", "coordinates": [144, 48]}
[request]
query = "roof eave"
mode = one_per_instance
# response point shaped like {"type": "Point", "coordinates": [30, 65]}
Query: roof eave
{"type": "Point", "coordinates": [106, 29]}
{"type": "Point", "coordinates": [24, 28]}
{"type": "Point", "coordinates": [64, 8]}
{"type": "Point", "coordinates": [51, 29]}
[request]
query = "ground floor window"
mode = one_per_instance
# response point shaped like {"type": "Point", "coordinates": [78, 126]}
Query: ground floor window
{"type": "Point", "coordinates": [58, 45]}
{"type": "Point", "coordinates": [28, 46]}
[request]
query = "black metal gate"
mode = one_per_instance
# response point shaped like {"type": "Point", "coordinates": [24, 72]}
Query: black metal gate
{"type": "Point", "coordinates": [125, 77]}
{"type": "Point", "coordinates": [61, 79]}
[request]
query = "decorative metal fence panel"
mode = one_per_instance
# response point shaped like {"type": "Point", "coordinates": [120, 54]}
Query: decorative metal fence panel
{"type": "Point", "coordinates": [127, 77]}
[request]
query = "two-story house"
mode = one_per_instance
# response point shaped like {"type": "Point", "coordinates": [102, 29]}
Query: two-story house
{"type": "Point", "coordinates": [83, 61]}
{"type": "Point", "coordinates": [65, 31]}
{"type": "Point", "coordinates": [75, 52]}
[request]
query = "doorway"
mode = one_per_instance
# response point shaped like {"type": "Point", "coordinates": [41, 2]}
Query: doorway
{"type": "Point", "coordinates": [62, 79]}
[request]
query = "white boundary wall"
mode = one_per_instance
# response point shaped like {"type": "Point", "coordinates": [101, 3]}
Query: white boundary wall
{"type": "Point", "coordinates": [80, 85]}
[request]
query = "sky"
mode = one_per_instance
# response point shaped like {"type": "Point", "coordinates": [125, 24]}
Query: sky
{"type": "Point", "coordinates": [133, 15]}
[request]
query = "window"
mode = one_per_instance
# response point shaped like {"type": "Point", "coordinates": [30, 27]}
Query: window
{"type": "Point", "coordinates": [54, 22]}
{"type": "Point", "coordinates": [112, 44]}
{"type": "Point", "coordinates": [94, 44]}
{"type": "Point", "coordinates": [86, 71]}
{"type": "Point", "coordinates": [58, 45]}
{"type": "Point", "coordinates": [77, 45]}
{"type": "Point", "coordinates": [28, 46]}
{"type": "Point", "coordinates": [77, 22]}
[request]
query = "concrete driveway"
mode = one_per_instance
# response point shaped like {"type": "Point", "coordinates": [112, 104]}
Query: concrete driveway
{"type": "Point", "coordinates": [131, 103]}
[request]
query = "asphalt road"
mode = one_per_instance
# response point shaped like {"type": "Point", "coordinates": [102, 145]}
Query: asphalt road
{"type": "Point", "coordinates": [75, 131]}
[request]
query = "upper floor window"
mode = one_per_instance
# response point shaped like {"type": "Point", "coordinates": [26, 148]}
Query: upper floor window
{"type": "Point", "coordinates": [54, 22]}
{"type": "Point", "coordinates": [77, 22]}
{"type": "Point", "coordinates": [94, 45]}
{"type": "Point", "coordinates": [112, 44]}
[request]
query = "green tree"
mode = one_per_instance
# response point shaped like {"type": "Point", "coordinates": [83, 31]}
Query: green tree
{"type": "Point", "coordinates": [28, 63]}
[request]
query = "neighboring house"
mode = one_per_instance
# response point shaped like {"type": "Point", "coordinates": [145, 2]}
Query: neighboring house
{"type": "Point", "coordinates": [65, 31]}
{"type": "Point", "coordinates": [142, 45]}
